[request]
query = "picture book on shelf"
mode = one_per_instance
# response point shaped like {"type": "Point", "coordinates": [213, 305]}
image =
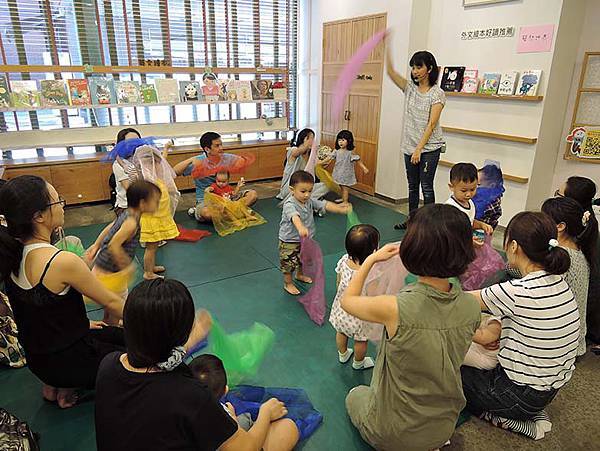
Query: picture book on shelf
{"type": "Point", "coordinates": [452, 78]}
{"type": "Point", "coordinates": [529, 82]}
{"type": "Point", "coordinates": [508, 82]}
{"type": "Point", "coordinates": [4, 93]}
{"type": "Point", "coordinates": [54, 93]}
{"type": "Point", "coordinates": [25, 93]}
{"type": "Point", "coordinates": [210, 90]}
{"type": "Point", "coordinates": [189, 91]}
{"type": "Point", "coordinates": [148, 92]}
{"type": "Point", "coordinates": [128, 92]}
{"type": "Point", "coordinates": [279, 91]}
{"type": "Point", "coordinates": [470, 81]}
{"type": "Point", "coordinates": [261, 89]}
{"type": "Point", "coordinates": [224, 91]}
{"type": "Point", "coordinates": [79, 92]}
{"type": "Point", "coordinates": [489, 83]}
{"type": "Point", "coordinates": [102, 91]}
{"type": "Point", "coordinates": [167, 90]}
{"type": "Point", "coordinates": [243, 90]}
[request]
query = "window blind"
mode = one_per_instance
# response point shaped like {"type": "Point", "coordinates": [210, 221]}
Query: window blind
{"type": "Point", "coordinates": [197, 33]}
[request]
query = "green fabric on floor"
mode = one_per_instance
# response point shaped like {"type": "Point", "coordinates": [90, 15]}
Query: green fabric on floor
{"type": "Point", "coordinates": [237, 279]}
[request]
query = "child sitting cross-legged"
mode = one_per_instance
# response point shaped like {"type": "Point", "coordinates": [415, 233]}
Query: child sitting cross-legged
{"type": "Point", "coordinates": [221, 186]}
{"type": "Point", "coordinates": [276, 434]}
{"type": "Point", "coordinates": [297, 221]}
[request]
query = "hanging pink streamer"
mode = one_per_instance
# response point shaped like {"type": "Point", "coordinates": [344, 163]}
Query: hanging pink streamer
{"type": "Point", "coordinates": [351, 70]}
{"type": "Point", "coordinates": [487, 263]}
{"type": "Point", "coordinates": [312, 159]}
{"type": "Point", "coordinates": [384, 278]}
{"type": "Point", "coordinates": [313, 301]}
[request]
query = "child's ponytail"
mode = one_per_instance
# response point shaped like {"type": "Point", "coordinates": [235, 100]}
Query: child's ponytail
{"type": "Point", "coordinates": [556, 260]}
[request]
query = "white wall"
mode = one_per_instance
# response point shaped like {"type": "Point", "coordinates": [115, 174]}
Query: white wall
{"type": "Point", "coordinates": [448, 19]}
{"type": "Point", "coordinates": [589, 42]}
{"type": "Point", "coordinates": [390, 179]}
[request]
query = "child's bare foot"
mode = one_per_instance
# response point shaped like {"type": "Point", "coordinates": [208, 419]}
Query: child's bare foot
{"type": "Point", "coordinates": [49, 393]}
{"type": "Point", "coordinates": [159, 269]}
{"type": "Point", "coordinates": [290, 288]}
{"type": "Point", "coordinates": [303, 278]}
{"type": "Point", "coordinates": [66, 397]}
{"type": "Point", "coordinates": [152, 276]}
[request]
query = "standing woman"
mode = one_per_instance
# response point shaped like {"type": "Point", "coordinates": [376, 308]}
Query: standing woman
{"type": "Point", "coordinates": [422, 140]}
{"type": "Point", "coordinates": [46, 288]}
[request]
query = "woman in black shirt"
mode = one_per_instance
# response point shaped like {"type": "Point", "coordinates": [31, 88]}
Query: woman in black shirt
{"type": "Point", "coordinates": [149, 399]}
{"type": "Point", "coordinates": [46, 287]}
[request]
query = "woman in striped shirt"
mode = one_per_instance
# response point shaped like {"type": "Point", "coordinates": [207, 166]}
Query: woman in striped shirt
{"type": "Point", "coordinates": [540, 330]}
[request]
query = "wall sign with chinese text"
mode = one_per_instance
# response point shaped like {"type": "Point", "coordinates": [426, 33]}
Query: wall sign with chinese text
{"type": "Point", "coordinates": [488, 33]}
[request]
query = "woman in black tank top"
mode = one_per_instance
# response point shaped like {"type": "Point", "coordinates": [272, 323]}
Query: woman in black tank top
{"type": "Point", "coordinates": [46, 288]}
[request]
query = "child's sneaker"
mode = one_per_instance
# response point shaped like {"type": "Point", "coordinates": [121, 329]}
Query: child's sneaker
{"type": "Point", "coordinates": [346, 356]}
{"type": "Point", "coordinates": [192, 212]}
{"type": "Point", "coordinates": [364, 364]}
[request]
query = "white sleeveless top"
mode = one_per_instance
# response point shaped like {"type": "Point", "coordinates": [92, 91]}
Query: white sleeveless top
{"type": "Point", "coordinates": [21, 280]}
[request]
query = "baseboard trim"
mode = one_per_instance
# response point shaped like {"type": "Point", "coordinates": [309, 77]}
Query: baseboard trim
{"type": "Point", "coordinates": [400, 201]}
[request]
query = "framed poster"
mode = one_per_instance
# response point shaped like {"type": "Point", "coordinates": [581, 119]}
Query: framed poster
{"type": "Point", "coordinates": [467, 3]}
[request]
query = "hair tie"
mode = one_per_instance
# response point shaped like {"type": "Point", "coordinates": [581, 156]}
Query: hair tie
{"type": "Point", "coordinates": [174, 360]}
{"type": "Point", "coordinates": [586, 218]}
{"type": "Point", "coordinates": [552, 244]}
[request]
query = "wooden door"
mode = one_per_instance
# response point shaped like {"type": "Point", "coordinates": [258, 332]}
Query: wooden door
{"type": "Point", "coordinates": [362, 106]}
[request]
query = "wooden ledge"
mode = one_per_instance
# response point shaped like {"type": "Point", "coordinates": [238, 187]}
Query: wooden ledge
{"type": "Point", "coordinates": [512, 178]}
{"type": "Point", "coordinates": [91, 157]}
{"type": "Point", "coordinates": [478, 95]}
{"type": "Point", "coordinates": [491, 135]}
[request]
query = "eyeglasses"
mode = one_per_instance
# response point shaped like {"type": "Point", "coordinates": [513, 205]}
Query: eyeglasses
{"type": "Point", "coordinates": [557, 194]}
{"type": "Point", "coordinates": [60, 202]}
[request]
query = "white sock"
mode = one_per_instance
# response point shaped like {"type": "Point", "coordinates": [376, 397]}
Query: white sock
{"type": "Point", "coordinates": [364, 364]}
{"type": "Point", "coordinates": [346, 355]}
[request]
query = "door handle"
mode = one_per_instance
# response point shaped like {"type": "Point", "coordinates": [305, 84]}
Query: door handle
{"type": "Point", "coordinates": [346, 115]}
{"type": "Point", "coordinates": [349, 113]}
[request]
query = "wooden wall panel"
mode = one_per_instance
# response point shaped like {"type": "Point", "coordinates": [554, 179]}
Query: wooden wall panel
{"type": "Point", "coordinates": [364, 121]}
{"type": "Point", "coordinates": [337, 42]}
{"type": "Point", "coordinates": [43, 172]}
{"type": "Point", "coordinates": [78, 183]}
{"type": "Point", "coordinates": [271, 161]}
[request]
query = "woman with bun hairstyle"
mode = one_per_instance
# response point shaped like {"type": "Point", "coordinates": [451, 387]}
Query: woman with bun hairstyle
{"type": "Point", "coordinates": [540, 331]}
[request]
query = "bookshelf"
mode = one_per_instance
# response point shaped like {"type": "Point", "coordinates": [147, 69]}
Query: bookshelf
{"type": "Point", "coordinates": [476, 95]}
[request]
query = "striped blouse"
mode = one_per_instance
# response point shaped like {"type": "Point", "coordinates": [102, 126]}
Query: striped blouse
{"type": "Point", "coordinates": [540, 329]}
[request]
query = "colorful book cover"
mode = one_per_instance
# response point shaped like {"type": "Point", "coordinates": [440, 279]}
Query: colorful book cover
{"type": "Point", "coordinates": [128, 92]}
{"type": "Point", "coordinates": [79, 92]}
{"type": "Point", "coordinates": [102, 91]}
{"type": "Point", "coordinates": [244, 91]}
{"type": "Point", "coordinates": [4, 93]}
{"type": "Point", "coordinates": [452, 78]}
{"type": "Point", "coordinates": [262, 89]}
{"type": "Point", "coordinates": [167, 90]}
{"type": "Point", "coordinates": [489, 83]}
{"type": "Point", "coordinates": [529, 82]}
{"type": "Point", "coordinates": [25, 93]}
{"type": "Point", "coordinates": [211, 88]}
{"type": "Point", "coordinates": [189, 91]}
{"type": "Point", "coordinates": [224, 91]}
{"type": "Point", "coordinates": [54, 93]}
{"type": "Point", "coordinates": [148, 92]}
{"type": "Point", "coordinates": [470, 81]}
{"type": "Point", "coordinates": [508, 82]}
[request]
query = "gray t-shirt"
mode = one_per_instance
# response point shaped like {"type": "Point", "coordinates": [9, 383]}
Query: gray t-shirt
{"type": "Point", "coordinates": [578, 279]}
{"type": "Point", "coordinates": [417, 108]}
{"type": "Point", "coordinates": [291, 165]}
{"type": "Point", "coordinates": [291, 208]}
{"type": "Point", "coordinates": [120, 176]}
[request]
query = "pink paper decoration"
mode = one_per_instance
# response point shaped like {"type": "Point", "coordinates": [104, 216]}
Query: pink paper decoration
{"type": "Point", "coordinates": [351, 70]}
{"type": "Point", "coordinates": [313, 301]}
